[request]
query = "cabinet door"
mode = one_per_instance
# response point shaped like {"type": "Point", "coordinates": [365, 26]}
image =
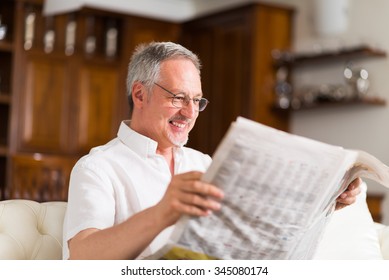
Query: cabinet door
{"type": "Point", "coordinates": [44, 118]}
{"type": "Point", "coordinates": [201, 42]}
{"type": "Point", "coordinates": [223, 44]}
{"type": "Point", "coordinates": [238, 76]}
{"type": "Point", "coordinates": [97, 105]}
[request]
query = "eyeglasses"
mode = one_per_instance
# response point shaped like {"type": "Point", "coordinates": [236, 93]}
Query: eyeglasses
{"type": "Point", "coordinates": [180, 100]}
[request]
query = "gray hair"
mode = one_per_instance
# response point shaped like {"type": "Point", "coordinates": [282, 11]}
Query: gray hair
{"type": "Point", "coordinates": [146, 60]}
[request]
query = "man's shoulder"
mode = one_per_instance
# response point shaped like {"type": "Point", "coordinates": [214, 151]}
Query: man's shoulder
{"type": "Point", "coordinates": [101, 154]}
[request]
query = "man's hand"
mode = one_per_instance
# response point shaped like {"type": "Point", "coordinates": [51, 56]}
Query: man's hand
{"type": "Point", "coordinates": [349, 196]}
{"type": "Point", "coordinates": [188, 195]}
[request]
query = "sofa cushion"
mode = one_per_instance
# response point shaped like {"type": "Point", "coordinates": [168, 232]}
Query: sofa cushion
{"type": "Point", "coordinates": [31, 230]}
{"type": "Point", "coordinates": [383, 236]}
{"type": "Point", "coordinates": [351, 234]}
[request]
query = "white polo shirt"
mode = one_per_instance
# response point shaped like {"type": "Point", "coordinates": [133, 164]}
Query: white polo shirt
{"type": "Point", "coordinates": [119, 179]}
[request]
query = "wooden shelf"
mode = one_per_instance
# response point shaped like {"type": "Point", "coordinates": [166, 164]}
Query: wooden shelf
{"type": "Point", "coordinates": [358, 52]}
{"type": "Point", "coordinates": [293, 60]}
{"type": "Point", "coordinates": [365, 101]}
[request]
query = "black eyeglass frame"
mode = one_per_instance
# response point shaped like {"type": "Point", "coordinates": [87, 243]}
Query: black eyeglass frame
{"type": "Point", "coordinates": [184, 100]}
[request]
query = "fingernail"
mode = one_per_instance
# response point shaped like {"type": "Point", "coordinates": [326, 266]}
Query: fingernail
{"type": "Point", "coordinates": [216, 205]}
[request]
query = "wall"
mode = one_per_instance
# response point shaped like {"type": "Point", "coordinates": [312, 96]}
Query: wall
{"type": "Point", "coordinates": [355, 127]}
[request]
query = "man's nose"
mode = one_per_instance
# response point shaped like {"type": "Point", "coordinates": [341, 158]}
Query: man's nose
{"type": "Point", "coordinates": [189, 109]}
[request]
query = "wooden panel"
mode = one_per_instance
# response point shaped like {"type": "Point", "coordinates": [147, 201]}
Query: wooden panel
{"type": "Point", "coordinates": [273, 29]}
{"type": "Point", "coordinates": [44, 117]}
{"type": "Point", "coordinates": [222, 42]}
{"type": "Point", "coordinates": [230, 88]}
{"type": "Point", "coordinates": [98, 93]}
{"type": "Point", "coordinates": [201, 42]}
{"type": "Point", "coordinates": [374, 202]}
{"type": "Point", "coordinates": [39, 177]}
{"type": "Point", "coordinates": [238, 75]}
{"type": "Point", "coordinates": [142, 30]}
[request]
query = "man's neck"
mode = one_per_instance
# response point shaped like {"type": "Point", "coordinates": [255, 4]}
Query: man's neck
{"type": "Point", "coordinates": [168, 154]}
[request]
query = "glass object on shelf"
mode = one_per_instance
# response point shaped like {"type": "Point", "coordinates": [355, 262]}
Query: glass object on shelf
{"type": "Point", "coordinates": [283, 89]}
{"type": "Point", "coordinates": [363, 82]}
{"type": "Point", "coordinates": [358, 80]}
{"type": "Point", "coordinates": [312, 95]}
{"type": "Point", "coordinates": [3, 30]}
{"type": "Point", "coordinates": [90, 44]}
{"type": "Point", "coordinates": [29, 30]}
{"type": "Point", "coordinates": [111, 41]}
{"type": "Point", "coordinates": [49, 39]}
{"type": "Point", "coordinates": [49, 36]}
{"type": "Point", "coordinates": [70, 39]}
{"type": "Point", "coordinates": [90, 41]}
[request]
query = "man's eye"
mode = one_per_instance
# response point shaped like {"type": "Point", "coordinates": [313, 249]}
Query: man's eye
{"type": "Point", "coordinates": [179, 98]}
{"type": "Point", "coordinates": [196, 100]}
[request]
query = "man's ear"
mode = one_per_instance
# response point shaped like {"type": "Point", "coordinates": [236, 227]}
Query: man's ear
{"type": "Point", "coordinates": [138, 91]}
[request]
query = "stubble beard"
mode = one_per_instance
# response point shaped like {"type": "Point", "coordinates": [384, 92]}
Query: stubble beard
{"type": "Point", "coordinates": [178, 143]}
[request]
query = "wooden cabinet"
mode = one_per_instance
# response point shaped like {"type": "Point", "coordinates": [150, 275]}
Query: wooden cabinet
{"type": "Point", "coordinates": [43, 115]}
{"type": "Point", "coordinates": [67, 107]}
{"type": "Point", "coordinates": [97, 104]}
{"type": "Point", "coordinates": [69, 95]}
{"type": "Point", "coordinates": [238, 76]}
{"type": "Point", "coordinates": [68, 92]}
{"type": "Point", "coordinates": [63, 83]}
{"type": "Point", "coordinates": [40, 177]}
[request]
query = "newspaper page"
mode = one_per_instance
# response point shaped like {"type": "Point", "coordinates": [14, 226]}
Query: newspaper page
{"type": "Point", "coordinates": [279, 189]}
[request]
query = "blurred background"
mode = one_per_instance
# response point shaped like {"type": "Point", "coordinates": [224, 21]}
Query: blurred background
{"type": "Point", "coordinates": [316, 68]}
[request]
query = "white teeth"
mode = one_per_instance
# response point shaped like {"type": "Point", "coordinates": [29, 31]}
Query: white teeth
{"type": "Point", "coordinates": [180, 125]}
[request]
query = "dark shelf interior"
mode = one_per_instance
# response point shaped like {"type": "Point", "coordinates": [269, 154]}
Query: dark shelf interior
{"type": "Point", "coordinates": [5, 98]}
{"type": "Point", "coordinates": [3, 150]}
{"type": "Point", "coordinates": [6, 46]}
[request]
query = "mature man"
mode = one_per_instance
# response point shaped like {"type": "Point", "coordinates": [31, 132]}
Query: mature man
{"type": "Point", "coordinates": [126, 196]}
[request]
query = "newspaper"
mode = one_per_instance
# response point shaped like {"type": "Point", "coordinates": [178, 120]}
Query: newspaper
{"type": "Point", "coordinates": [280, 191]}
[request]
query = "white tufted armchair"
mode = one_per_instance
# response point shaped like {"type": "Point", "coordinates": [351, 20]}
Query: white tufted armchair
{"type": "Point", "coordinates": [30, 230]}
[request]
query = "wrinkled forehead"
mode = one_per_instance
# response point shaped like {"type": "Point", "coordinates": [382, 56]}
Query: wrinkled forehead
{"type": "Point", "coordinates": [180, 74]}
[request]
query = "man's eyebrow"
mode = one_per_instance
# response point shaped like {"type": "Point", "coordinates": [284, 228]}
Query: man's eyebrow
{"type": "Point", "coordinates": [183, 92]}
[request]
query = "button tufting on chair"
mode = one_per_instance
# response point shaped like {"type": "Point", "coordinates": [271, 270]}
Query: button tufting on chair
{"type": "Point", "coordinates": [31, 230]}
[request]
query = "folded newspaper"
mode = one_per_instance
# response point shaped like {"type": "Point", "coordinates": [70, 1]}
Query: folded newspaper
{"type": "Point", "coordinates": [280, 191]}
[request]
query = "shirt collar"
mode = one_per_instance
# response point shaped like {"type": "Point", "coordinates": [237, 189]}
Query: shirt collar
{"type": "Point", "coordinates": [137, 142]}
{"type": "Point", "coordinates": [142, 145]}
